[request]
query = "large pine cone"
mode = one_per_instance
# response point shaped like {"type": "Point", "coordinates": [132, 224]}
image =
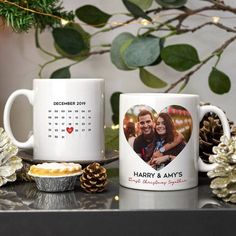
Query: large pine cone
{"type": "Point", "coordinates": [9, 162]}
{"type": "Point", "coordinates": [210, 132]}
{"type": "Point", "coordinates": [94, 178]}
{"type": "Point", "coordinates": [224, 175]}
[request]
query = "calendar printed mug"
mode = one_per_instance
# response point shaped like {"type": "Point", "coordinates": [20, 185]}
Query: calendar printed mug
{"type": "Point", "coordinates": [159, 140]}
{"type": "Point", "coordinates": [68, 119]}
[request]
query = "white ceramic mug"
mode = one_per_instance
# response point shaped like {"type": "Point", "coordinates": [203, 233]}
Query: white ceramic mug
{"type": "Point", "coordinates": [68, 119]}
{"type": "Point", "coordinates": [159, 140]}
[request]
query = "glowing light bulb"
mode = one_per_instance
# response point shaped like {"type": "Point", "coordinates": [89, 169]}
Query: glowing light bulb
{"type": "Point", "coordinates": [116, 198]}
{"type": "Point", "coordinates": [215, 19]}
{"type": "Point", "coordinates": [64, 22]}
{"type": "Point", "coordinates": [115, 127]}
{"type": "Point", "coordinates": [115, 23]}
{"type": "Point", "coordinates": [145, 22]}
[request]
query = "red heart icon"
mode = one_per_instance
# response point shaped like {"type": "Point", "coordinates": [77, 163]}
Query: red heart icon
{"type": "Point", "coordinates": [69, 129]}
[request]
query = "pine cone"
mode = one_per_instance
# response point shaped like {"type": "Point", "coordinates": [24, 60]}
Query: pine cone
{"type": "Point", "coordinates": [9, 162]}
{"type": "Point", "coordinates": [22, 174]}
{"type": "Point", "coordinates": [94, 178]}
{"type": "Point", "coordinates": [209, 134]}
{"type": "Point", "coordinates": [224, 175]}
{"type": "Point", "coordinates": [93, 202]}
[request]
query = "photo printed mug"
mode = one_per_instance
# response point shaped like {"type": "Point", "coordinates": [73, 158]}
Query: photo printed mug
{"type": "Point", "coordinates": [159, 140]}
{"type": "Point", "coordinates": [68, 119]}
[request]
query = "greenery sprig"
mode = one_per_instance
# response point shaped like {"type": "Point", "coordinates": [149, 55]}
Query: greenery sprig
{"type": "Point", "coordinates": [136, 52]}
{"type": "Point", "coordinates": [22, 15]}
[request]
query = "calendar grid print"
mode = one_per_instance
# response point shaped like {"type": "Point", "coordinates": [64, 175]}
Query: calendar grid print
{"type": "Point", "coordinates": [65, 123]}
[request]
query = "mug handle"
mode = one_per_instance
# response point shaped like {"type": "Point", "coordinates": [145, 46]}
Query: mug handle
{"type": "Point", "coordinates": [226, 130]}
{"type": "Point", "coordinates": [6, 117]}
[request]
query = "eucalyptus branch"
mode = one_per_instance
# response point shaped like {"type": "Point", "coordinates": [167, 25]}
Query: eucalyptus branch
{"type": "Point", "coordinates": [42, 49]}
{"type": "Point", "coordinates": [180, 17]}
{"type": "Point", "coordinates": [155, 11]}
{"type": "Point", "coordinates": [216, 52]}
{"type": "Point", "coordinates": [113, 27]}
{"type": "Point", "coordinates": [219, 25]}
{"type": "Point", "coordinates": [218, 59]}
{"type": "Point", "coordinates": [42, 67]}
{"type": "Point", "coordinates": [99, 52]}
{"type": "Point", "coordinates": [218, 5]}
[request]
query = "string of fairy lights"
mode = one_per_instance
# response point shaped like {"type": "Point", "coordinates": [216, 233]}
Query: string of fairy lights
{"type": "Point", "coordinates": [144, 22]}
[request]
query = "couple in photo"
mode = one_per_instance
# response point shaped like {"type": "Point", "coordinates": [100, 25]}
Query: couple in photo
{"type": "Point", "coordinates": [159, 142]}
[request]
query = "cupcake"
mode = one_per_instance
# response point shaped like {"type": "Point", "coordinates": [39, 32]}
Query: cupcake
{"type": "Point", "coordinates": [55, 177]}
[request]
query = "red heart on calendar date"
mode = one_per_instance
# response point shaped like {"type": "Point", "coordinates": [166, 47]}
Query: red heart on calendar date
{"type": "Point", "coordinates": [69, 129]}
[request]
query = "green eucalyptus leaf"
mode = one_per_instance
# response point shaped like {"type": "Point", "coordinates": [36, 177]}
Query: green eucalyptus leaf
{"type": "Point", "coordinates": [93, 16]}
{"type": "Point", "coordinates": [151, 80]}
{"type": "Point", "coordinates": [111, 139]}
{"type": "Point", "coordinates": [69, 40]}
{"type": "Point", "coordinates": [84, 40]}
{"type": "Point", "coordinates": [142, 51]}
{"type": "Point", "coordinates": [181, 57]}
{"type": "Point", "coordinates": [171, 3]}
{"type": "Point", "coordinates": [143, 4]}
{"type": "Point", "coordinates": [159, 59]}
{"type": "Point", "coordinates": [81, 57]}
{"type": "Point", "coordinates": [219, 82]}
{"type": "Point", "coordinates": [135, 10]}
{"type": "Point", "coordinates": [115, 101]}
{"type": "Point", "coordinates": [118, 47]}
{"type": "Point", "coordinates": [61, 73]}
{"type": "Point", "coordinates": [86, 36]}
{"type": "Point", "coordinates": [115, 119]}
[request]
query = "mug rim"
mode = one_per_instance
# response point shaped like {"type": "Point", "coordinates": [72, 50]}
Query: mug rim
{"type": "Point", "coordinates": [69, 79]}
{"type": "Point", "coordinates": [161, 94]}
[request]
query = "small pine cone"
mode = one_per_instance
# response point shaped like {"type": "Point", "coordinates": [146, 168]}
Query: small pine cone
{"type": "Point", "coordinates": [22, 174]}
{"type": "Point", "coordinates": [94, 178]}
{"type": "Point", "coordinates": [209, 134]}
{"type": "Point", "coordinates": [93, 202]}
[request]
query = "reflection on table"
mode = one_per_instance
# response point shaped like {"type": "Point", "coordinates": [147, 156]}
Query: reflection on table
{"type": "Point", "coordinates": [25, 196]}
{"type": "Point", "coordinates": [131, 199]}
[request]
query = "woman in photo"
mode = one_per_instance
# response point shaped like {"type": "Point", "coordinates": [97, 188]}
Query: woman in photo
{"type": "Point", "coordinates": [130, 133]}
{"type": "Point", "coordinates": [169, 142]}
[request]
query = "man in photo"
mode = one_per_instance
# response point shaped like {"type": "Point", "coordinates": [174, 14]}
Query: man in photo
{"type": "Point", "coordinates": [144, 143]}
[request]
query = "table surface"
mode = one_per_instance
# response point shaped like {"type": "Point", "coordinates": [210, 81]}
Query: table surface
{"type": "Point", "coordinates": [24, 196]}
{"type": "Point", "coordinates": [22, 205]}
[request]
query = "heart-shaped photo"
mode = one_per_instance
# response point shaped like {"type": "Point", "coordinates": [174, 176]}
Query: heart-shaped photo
{"type": "Point", "coordinates": [157, 137]}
